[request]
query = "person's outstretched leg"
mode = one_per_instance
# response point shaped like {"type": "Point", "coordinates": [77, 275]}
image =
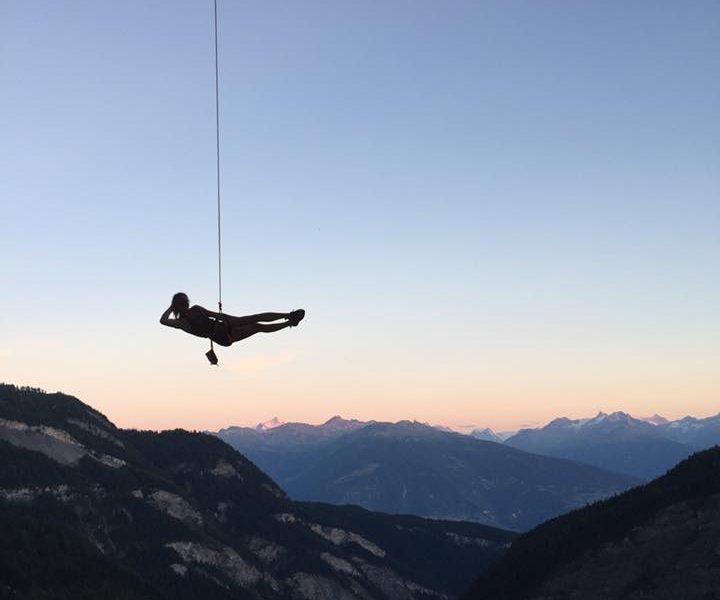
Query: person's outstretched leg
{"type": "Point", "coordinates": [241, 332]}
{"type": "Point", "coordinates": [259, 318]}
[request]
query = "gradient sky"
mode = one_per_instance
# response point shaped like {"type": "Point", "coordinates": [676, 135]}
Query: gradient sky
{"type": "Point", "coordinates": [494, 212]}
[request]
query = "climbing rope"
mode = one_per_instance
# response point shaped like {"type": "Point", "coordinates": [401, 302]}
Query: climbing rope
{"type": "Point", "coordinates": [217, 162]}
{"type": "Point", "coordinates": [211, 354]}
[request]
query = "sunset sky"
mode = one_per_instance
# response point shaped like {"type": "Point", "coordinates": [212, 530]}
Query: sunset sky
{"type": "Point", "coordinates": [494, 212]}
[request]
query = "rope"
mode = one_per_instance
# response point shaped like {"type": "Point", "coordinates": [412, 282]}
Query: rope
{"type": "Point", "coordinates": [217, 173]}
{"type": "Point", "coordinates": [217, 162]}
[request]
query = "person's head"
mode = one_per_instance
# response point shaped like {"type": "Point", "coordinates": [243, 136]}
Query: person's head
{"type": "Point", "coordinates": [180, 303]}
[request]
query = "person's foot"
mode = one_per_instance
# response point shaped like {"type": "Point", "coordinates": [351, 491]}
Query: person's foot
{"type": "Point", "coordinates": [295, 317]}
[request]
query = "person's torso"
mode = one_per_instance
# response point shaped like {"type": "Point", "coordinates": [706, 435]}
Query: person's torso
{"type": "Point", "coordinates": [201, 324]}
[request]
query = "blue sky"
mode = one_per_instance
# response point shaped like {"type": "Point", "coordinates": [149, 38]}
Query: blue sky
{"type": "Point", "coordinates": [493, 212]}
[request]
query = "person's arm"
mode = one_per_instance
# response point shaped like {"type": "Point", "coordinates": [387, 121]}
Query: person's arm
{"type": "Point", "coordinates": [176, 323]}
{"type": "Point", "coordinates": [165, 317]}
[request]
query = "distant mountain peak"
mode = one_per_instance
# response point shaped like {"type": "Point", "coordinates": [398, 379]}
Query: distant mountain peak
{"type": "Point", "coordinates": [686, 423]}
{"type": "Point", "coordinates": [487, 434]}
{"type": "Point", "coordinates": [444, 428]}
{"type": "Point", "coordinates": [656, 419]}
{"type": "Point", "coordinates": [337, 423]}
{"type": "Point", "coordinates": [613, 417]}
{"type": "Point", "coordinates": [599, 419]}
{"type": "Point", "coordinates": [560, 422]}
{"type": "Point", "coordinates": [271, 424]}
{"type": "Point", "coordinates": [618, 415]}
{"type": "Point", "coordinates": [483, 430]}
{"type": "Point", "coordinates": [335, 419]}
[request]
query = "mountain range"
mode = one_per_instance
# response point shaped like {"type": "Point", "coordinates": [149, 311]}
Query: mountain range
{"type": "Point", "coordinates": [617, 442]}
{"type": "Point", "coordinates": [91, 511]}
{"type": "Point", "coordinates": [691, 432]}
{"type": "Point", "coordinates": [641, 448]}
{"type": "Point", "coordinates": [410, 467]}
{"type": "Point", "coordinates": [88, 510]}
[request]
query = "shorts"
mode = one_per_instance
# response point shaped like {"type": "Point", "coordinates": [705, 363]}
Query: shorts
{"type": "Point", "coordinates": [221, 334]}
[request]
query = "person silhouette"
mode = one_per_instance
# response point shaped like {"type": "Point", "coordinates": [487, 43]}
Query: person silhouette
{"type": "Point", "coordinates": [224, 329]}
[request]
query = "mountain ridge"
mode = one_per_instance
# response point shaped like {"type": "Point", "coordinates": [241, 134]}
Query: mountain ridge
{"type": "Point", "coordinates": [410, 467]}
{"type": "Point", "coordinates": [670, 428]}
{"type": "Point", "coordinates": [615, 441]}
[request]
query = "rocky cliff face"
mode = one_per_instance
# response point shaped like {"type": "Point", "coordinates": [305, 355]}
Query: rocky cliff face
{"type": "Point", "coordinates": [182, 515]}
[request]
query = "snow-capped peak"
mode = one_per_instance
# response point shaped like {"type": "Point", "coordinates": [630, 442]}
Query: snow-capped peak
{"type": "Point", "coordinates": [271, 424]}
{"type": "Point", "coordinates": [487, 434]}
{"type": "Point", "coordinates": [603, 417]}
{"type": "Point", "coordinates": [444, 428]}
{"type": "Point", "coordinates": [337, 423]}
{"type": "Point", "coordinates": [655, 420]}
{"type": "Point", "coordinates": [685, 424]}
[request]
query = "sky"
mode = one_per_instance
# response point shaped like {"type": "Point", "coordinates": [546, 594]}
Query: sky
{"type": "Point", "coordinates": [494, 212]}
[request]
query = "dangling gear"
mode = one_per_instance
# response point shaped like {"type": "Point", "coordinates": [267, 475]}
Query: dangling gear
{"type": "Point", "coordinates": [211, 356]}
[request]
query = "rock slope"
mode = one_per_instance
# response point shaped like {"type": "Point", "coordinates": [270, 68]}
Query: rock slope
{"type": "Point", "coordinates": [660, 541]}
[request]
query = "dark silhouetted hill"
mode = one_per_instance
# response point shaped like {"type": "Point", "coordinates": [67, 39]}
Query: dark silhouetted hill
{"type": "Point", "coordinates": [40, 559]}
{"type": "Point", "coordinates": [660, 540]}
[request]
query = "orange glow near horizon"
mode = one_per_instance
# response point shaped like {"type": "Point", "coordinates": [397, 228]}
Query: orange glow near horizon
{"type": "Point", "coordinates": [165, 382]}
{"type": "Point", "coordinates": [248, 391]}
